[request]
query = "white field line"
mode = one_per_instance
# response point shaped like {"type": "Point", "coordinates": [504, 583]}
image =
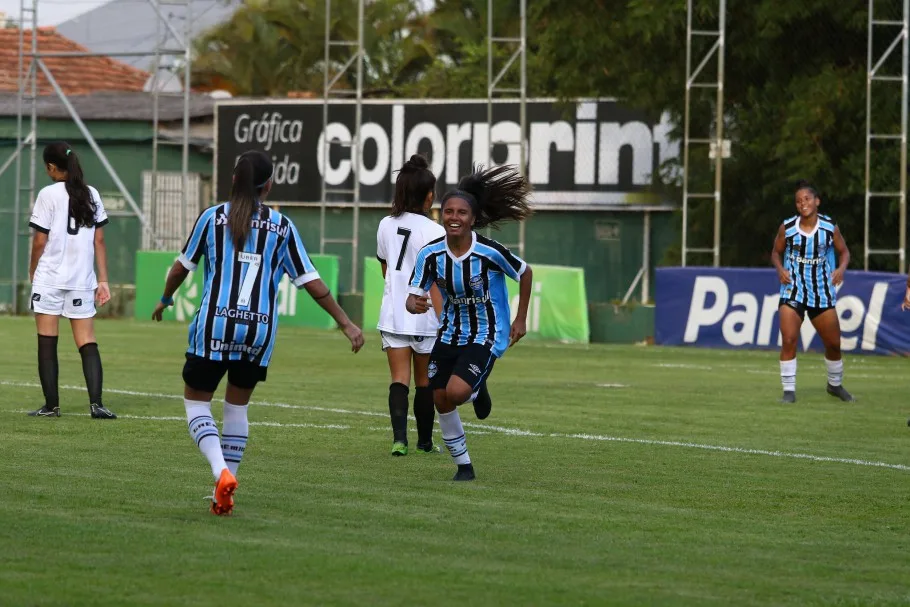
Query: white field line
{"type": "Point", "coordinates": [485, 428]}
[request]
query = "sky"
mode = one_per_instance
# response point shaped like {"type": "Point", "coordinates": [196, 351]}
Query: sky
{"type": "Point", "coordinates": [53, 12]}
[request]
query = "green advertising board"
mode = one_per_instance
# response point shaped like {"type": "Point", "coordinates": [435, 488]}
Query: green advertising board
{"type": "Point", "coordinates": [558, 309]}
{"type": "Point", "coordinates": [294, 308]}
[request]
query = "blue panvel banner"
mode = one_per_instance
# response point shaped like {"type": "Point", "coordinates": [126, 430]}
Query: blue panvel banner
{"type": "Point", "coordinates": [737, 308]}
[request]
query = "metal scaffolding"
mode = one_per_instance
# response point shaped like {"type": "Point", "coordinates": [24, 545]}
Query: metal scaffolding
{"type": "Point", "coordinates": [874, 67]}
{"type": "Point", "coordinates": [342, 196]}
{"type": "Point", "coordinates": [519, 54]}
{"type": "Point", "coordinates": [30, 61]}
{"type": "Point", "coordinates": [717, 147]}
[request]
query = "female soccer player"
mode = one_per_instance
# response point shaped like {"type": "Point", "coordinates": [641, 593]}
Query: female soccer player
{"type": "Point", "coordinates": [405, 336]}
{"type": "Point", "coordinates": [69, 241]}
{"type": "Point", "coordinates": [808, 276]}
{"type": "Point", "coordinates": [248, 247]}
{"type": "Point", "coordinates": [470, 271]}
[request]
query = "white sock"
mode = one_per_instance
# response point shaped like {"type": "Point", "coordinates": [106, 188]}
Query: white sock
{"type": "Point", "coordinates": [453, 435]}
{"type": "Point", "coordinates": [835, 371]}
{"type": "Point", "coordinates": [204, 431]}
{"type": "Point", "coordinates": [234, 432]}
{"type": "Point", "coordinates": [788, 375]}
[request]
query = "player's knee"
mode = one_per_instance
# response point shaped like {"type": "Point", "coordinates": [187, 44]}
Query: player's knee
{"type": "Point", "coordinates": [788, 342]}
{"type": "Point", "coordinates": [441, 401]}
{"type": "Point", "coordinates": [457, 395]}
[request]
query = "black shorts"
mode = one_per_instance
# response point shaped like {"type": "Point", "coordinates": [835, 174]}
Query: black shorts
{"type": "Point", "coordinates": [204, 375]}
{"type": "Point", "coordinates": [472, 363]}
{"type": "Point", "coordinates": [802, 309]}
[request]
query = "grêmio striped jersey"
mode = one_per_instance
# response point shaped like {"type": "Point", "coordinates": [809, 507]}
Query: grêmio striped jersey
{"type": "Point", "coordinates": [473, 287]}
{"type": "Point", "coordinates": [238, 316]}
{"type": "Point", "coordinates": [809, 257]}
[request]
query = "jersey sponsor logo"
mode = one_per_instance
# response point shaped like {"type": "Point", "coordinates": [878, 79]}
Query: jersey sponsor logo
{"type": "Point", "coordinates": [268, 226]}
{"type": "Point", "coordinates": [432, 369]}
{"type": "Point", "coordinates": [812, 261]}
{"type": "Point", "coordinates": [242, 315]}
{"type": "Point", "coordinates": [471, 301]}
{"type": "Point", "coordinates": [77, 303]}
{"type": "Point", "coordinates": [216, 345]}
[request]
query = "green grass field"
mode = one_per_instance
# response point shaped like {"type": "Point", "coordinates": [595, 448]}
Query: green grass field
{"type": "Point", "coordinates": [606, 475]}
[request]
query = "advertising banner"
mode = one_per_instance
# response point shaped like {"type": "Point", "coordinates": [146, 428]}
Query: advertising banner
{"type": "Point", "coordinates": [558, 309]}
{"type": "Point", "coordinates": [294, 308]}
{"type": "Point", "coordinates": [589, 154]}
{"type": "Point", "coordinates": [737, 308]}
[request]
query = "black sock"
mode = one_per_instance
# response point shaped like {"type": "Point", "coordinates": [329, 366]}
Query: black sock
{"type": "Point", "coordinates": [48, 369]}
{"type": "Point", "coordinates": [425, 414]}
{"type": "Point", "coordinates": [398, 411]}
{"type": "Point", "coordinates": [91, 368]}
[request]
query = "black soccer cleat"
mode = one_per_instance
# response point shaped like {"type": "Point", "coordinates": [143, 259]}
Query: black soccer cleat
{"type": "Point", "coordinates": [465, 473]}
{"type": "Point", "coordinates": [841, 393]}
{"type": "Point", "coordinates": [788, 397]}
{"type": "Point", "coordinates": [100, 412]}
{"type": "Point", "coordinates": [483, 404]}
{"type": "Point", "coordinates": [45, 411]}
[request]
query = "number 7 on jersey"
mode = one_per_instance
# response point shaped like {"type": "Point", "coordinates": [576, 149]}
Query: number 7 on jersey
{"type": "Point", "coordinates": [254, 261]}
{"type": "Point", "coordinates": [404, 246]}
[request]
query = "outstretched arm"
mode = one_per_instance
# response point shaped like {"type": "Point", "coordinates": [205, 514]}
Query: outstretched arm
{"type": "Point", "coordinates": [843, 257]}
{"type": "Point", "coordinates": [520, 325]}
{"type": "Point", "coordinates": [321, 294]}
{"type": "Point", "coordinates": [175, 278]}
{"type": "Point", "coordinates": [780, 246]}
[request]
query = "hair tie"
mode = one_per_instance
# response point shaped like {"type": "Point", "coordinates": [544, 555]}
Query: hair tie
{"type": "Point", "coordinates": [68, 152]}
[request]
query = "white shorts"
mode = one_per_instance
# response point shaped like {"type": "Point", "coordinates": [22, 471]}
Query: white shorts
{"type": "Point", "coordinates": [421, 344]}
{"type": "Point", "coordinates": [58, 302]}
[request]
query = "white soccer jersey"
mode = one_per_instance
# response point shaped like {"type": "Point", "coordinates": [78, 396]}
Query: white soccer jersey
{"type": "Point", "coordinates": [398, 241]}
{"type": "Point", "coordinates": [68, 261]}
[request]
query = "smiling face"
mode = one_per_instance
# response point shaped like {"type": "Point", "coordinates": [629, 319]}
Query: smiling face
{"type": "Point", "coordinates": [457, 217]}
{"type": "Point", "coordinates": [806, 202]}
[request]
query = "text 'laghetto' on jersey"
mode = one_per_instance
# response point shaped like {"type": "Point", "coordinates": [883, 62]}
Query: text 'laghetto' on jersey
{"type": "Point", "coordinates": [237, 318]}
{"type": "Point", "coordinates": [473, 288]}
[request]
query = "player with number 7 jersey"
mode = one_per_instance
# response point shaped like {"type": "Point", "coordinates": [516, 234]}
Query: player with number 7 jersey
{"type": "Point", "coordinates": [248, 248]}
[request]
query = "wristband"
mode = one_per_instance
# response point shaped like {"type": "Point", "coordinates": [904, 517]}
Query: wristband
{"type": "Point", "coordinates": [168, 301]}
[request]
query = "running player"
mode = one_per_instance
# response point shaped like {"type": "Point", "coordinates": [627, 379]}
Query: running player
{"type": "Point", "coordinates": [405, 336]}
{"type": "Point", "coordinates": [808, 242]}
{"type": "Point", "coordinates": [248, 247]}
{"type": "Point", "coordinates": [470, 271]}
{"type": "Point", "coordinates": [69, 241]}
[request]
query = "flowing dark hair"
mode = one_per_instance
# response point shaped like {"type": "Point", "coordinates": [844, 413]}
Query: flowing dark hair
{"type": "Point", "coordinates": [415, 180]}
{"type": "Point", "coordinates": [496, 194]}
{"type": "Point", "coordinates": [251, 173]}
{"type": "Point", "coordinates": [82, 206]}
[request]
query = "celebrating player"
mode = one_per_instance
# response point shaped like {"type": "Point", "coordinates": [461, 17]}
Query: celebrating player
{"type": "Point", "coordinates": [398, 240]}
{"type": "Point", "coordinates": [808, 277]}
{"type": "Point", "coordinates": [470, 271]}
{"type": "Point", "coordinates": [248, 248]}
{"type": "Point", "coordinates": [69, 241]}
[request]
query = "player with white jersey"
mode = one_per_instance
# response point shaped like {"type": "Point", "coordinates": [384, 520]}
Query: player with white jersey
{"type": "Point", "coordinates": [68, 242]}
{"type": "Point", "coordinates": [248, 248]}
{"type": "Point", "coordinates": [408, 338]}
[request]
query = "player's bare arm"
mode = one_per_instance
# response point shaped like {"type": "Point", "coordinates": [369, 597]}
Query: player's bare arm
{"type": "Point", "coordinates": [780, 245]}
{"type": "Point", "coordinates": [843, 257]}
{"type": "Point", "coordinates": [175, 278]}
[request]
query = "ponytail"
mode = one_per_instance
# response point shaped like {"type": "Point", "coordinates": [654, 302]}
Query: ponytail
{"type": "Point", "coordinates": [82, 206]}
{"type": "Point", "coordinates": [252, 173]}
{"type": "Point", "coordinates": [414, 182]}
{"type": "Point", "coordinates": [497, 194]}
